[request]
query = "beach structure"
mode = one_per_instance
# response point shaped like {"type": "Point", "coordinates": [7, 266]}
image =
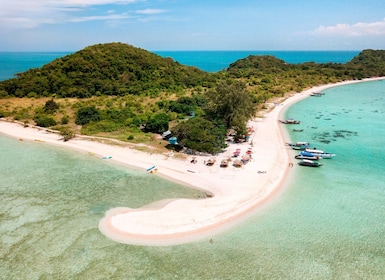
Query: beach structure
{"type": "Point", "coordinates": [211, 161]}
{"type": "Point", "coordinates": [224, 163]}
{"type": "Point", "coordinates": [237, 163]}
{"type": "Point", "coordinates": [173, 141]}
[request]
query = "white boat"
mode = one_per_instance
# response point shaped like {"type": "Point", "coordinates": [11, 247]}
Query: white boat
{"type": "Point", "coordinates": [320, 153]}
{"type": "Point", "coordinates": [307, 155]}
{"type": "Point", "coordinates": [299, 145]}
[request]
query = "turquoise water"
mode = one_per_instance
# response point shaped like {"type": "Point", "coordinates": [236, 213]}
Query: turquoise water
{"type": "Point", "coordinates": [211, 61]}
{"type": "Point", "coordinates": [12, 63]}
{"type": "Point", "coordinates": [328, 224]}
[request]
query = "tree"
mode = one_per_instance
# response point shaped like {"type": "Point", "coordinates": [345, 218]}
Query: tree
{"type": "Point", "coordinates": [231, 103]}
{"type": "Point", "coordinates": [201, 135]}
{"type": "Point", "coordinates": [50, 106]}
{"type": "Point", "coordinates": [158, 123]}
{"type": "Point", "coordinates": [86, 115]}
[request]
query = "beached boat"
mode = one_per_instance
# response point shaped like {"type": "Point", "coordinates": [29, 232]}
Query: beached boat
{"type": "Point", "coordinates": [290, 121]}
{"type": "Point", "coordinates": [307, 155]}
{"type": "Point", "coordinates": [310, 163]}
{"type": "Point", "coordinates": [299, 145]}
{"type": "Point", "coordinates": [320, 153]}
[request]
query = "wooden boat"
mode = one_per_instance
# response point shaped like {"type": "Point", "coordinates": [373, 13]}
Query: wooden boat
{"type": "Point", "coordinates": [299, 145]}
{"type": "Point", "coordinates": [290, 121]}
{"type": "Point", "coordinates": [310, 163]}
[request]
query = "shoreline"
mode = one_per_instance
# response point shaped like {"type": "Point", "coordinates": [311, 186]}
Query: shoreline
{"type": "Point", "coordinates": [237, 192]}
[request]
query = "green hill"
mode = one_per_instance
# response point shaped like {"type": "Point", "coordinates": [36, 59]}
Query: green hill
{"type": "Point", "coordinates": [105, 69]}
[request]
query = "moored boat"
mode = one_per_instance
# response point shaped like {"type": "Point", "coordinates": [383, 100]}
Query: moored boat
{"type": "Point", "coordinates": [299, 145]}
{"type": "Point", "coordinates": [310, 163]}
{"type": "Point", "coordinates": [307, 155]}
{"type": "Point", "coordinates": [320, 153]}
{"type": "Point", "coordinates": [290, 121]}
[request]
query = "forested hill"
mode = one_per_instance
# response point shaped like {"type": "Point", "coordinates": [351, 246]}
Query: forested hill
{"type": "Point", "coordinates": [368, 63]}
{"type": "Point", "coordinates": [108, 69]}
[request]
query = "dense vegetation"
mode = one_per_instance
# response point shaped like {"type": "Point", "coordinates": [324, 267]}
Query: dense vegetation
{"type": "Point", "coordinates": [123, 92]}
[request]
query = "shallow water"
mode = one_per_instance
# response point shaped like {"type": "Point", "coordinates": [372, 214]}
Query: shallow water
{"type": "Point", "coordinates": [328, 224]}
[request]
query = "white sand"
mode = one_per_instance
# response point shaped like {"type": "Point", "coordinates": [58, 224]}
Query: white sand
{"type": "Point", "coordinates": [236, 191]}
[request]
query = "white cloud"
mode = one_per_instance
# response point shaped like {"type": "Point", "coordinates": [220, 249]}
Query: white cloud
{"type": "Point", "coordinates": [150, 11]}
{"type": "Point", "coordinates": [93, 18]}
{"type": "Point", "coordinates": [31, 13]}
{"type": "Point", "coordinates": [357, 29]}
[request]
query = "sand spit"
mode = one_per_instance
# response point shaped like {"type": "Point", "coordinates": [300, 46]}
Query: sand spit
{"type": "Point", "coordinates": [234, 192]}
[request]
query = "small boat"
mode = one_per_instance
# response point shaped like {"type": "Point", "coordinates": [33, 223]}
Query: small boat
{"type": "Point", "coordinates": [317, 94]}
{"type": "Point", "coordinates": [307, 155]}
{"type": "Point", "coordinates": [310, 163]}
{"type": "Point", "coordinates": [299, 145]}
{"type": "Point", "coordinates": [320, 153]}
{"type": "Point", "coordinates": [290, 121]}
{"type": "Point", "coordinates": [152, 169]}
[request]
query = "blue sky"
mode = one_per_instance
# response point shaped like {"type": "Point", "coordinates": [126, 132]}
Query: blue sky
{"type": "Point", "coordinates": [70, 25]}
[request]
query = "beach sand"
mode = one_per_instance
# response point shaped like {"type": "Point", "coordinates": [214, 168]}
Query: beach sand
{"type": "Point", "coordinates": [233, 192]}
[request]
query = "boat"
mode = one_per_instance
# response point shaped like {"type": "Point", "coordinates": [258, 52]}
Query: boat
{"type": "Point", "coordinates": [307, 155]}
{"type": "Point", "coordinates": [317, 94]}
{"type": "Point", "coordinates": [290, 121]}
{"type": "Point", "coordinates": [299, 145]}
{"type": "Point", "coordinates": [320, 153]}
{"type": "Point", "coordinates": [310, 163]}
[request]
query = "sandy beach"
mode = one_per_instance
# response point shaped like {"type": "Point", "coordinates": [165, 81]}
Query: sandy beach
{"type": "Point", "coordinates": [233, 192]}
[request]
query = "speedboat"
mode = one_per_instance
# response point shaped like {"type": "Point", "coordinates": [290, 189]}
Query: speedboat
{"type": "Point", "coordinates": [320, 153]}
{"type": "Point", "coordinates": [307, 155]}
{"type": "Point", "coordinates": [310, 163]}
{"type": "Point", "coordinates": [299, 145]}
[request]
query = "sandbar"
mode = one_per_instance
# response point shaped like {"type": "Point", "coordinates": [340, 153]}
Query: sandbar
{"type": "Point", "coordinates": [233, 193]}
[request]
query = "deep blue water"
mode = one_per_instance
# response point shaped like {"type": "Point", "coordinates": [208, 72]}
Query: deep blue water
{"type": "Point", "coordinates": [211, 61]}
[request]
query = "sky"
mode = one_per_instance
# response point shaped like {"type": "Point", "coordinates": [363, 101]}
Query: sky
{"type": "Point", "coordinates": [156, 25]}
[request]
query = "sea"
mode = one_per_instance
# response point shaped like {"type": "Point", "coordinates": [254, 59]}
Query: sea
{"type": "Point", "coordinates": [327, 223]}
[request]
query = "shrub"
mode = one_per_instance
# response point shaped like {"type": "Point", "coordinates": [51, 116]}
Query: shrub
{"type": "Point", "coordinates": [86, 115]}
{"type": "Point", "coordinates": [44, 121]}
